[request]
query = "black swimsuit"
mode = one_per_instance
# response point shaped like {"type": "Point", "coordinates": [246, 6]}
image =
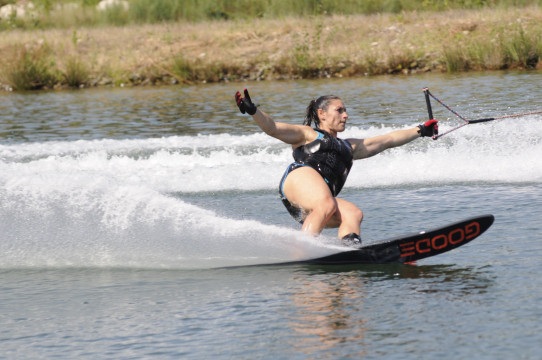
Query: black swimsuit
{"type": "Point", "coordinates": [330, 156]}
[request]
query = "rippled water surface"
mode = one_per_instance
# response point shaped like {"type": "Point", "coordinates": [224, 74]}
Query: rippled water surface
{"type": "Point", "coordinates": [125, 213]}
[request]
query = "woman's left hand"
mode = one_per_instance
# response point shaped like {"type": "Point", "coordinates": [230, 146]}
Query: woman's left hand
{"type": "Point", "coordinates": [430, 128]}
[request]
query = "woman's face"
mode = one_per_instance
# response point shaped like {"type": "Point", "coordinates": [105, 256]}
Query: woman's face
{"type": "Point", "coordinates": [333, 120]}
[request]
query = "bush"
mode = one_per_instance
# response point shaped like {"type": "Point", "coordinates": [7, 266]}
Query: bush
{"type": "Point", "coordinates": [521, 49]}
{"type": "Point", "coordinates": [76, 73]}
{"type": "Point", "coordinates": [31, 69]}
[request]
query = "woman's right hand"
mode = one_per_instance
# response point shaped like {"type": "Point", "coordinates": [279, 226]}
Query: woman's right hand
{"type": "Point", "coordinates": [294, 135]}
{"type": "Point", "coordinates": [245, 104]}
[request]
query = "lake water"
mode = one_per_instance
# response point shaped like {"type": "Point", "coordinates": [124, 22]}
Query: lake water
{"type": "Point", "coordinates": [123, 211]}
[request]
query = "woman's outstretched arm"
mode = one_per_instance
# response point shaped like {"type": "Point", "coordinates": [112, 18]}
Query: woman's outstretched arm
{"type": "Point", "coordinates": [364, 148]}
{"type": "Point", "coordinates": [294, 135]}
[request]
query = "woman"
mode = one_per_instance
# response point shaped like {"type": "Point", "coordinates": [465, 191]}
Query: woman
{"type": "Point", "coordinates": [322, 162]}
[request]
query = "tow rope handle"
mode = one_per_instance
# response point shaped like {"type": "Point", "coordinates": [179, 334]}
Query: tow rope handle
{"type": "Point", "coordinates": [465, 121]}
{"type": "Point", "coordinates": [430, 111]}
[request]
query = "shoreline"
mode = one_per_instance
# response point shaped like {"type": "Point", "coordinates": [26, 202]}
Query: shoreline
{"type": "Point", "coordinates": [290, 48]}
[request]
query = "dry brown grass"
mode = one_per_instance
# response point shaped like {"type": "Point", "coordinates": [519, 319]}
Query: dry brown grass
{"type": "Point", "coordinates": [271, 49]}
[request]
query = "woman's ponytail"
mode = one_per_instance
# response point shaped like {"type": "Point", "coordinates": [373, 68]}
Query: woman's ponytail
{"type": "Point", "coordinates": [311, 114]}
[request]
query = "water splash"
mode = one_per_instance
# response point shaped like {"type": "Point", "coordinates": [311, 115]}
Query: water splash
{"type": "Point", "coordinates": [109, 203]}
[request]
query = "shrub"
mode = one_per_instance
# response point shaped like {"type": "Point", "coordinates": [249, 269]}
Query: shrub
{"type": "Point", "coordinates": [76, 73]}
{"type": "Point", "coordinates": [521, 49]}
{"type": "Point", "coordinates": [31, 69]}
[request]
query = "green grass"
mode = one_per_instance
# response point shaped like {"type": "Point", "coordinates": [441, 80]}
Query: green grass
{"type": "Point", "coordinates": [521, 48]}
{"type": "Point", "coordinates": [61, 13]}
{"type": "Point", "coordinates": [509, 48]}
{"type": "Point", "coordinates": [31, 70]}
{"type": "Point", "coordinates": [34, 68]}
{"type": "Point", "coordinates": [76, 73]}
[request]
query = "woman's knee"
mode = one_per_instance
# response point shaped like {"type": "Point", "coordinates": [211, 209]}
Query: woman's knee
{"type": "Point", "coordinates": [353, 214]}
{"type": "Point", "coordinates": [327, 206]}
{"type": "Point", "coordinates": [358, 215]}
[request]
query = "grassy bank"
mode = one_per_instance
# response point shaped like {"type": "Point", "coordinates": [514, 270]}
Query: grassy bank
{"type": "Point", "coordinates": [261, 49]}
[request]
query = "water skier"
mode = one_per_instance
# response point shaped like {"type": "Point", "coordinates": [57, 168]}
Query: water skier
{"type": "Point", "coordinates": [322, 161]}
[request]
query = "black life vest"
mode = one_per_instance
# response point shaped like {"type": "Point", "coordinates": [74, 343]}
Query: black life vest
{"type": "Point", "coordinates": [330, 156]}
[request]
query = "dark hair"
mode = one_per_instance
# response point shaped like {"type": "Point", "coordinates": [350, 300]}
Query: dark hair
{"type": "Point", "coordinates": [311, 114]}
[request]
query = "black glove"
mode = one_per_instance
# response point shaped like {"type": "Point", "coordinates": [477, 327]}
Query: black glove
{"type": "Point", "coordinates": [430, 128]}
{"type": "Point", "coordinates": [245, 103]}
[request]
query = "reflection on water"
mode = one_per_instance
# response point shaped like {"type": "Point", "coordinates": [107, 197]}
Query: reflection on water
{"type": "Point", "coordinates": [442, 278]}
{"type": "Point", "coordinates": [333, 303]}
{"type": "Point", "coordinates": [327, 313]}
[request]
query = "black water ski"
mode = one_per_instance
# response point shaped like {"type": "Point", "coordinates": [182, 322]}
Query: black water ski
{"type": "Point", "coordinates": [409, 248]}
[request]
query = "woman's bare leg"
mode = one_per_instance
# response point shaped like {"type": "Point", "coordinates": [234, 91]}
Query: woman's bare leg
{"type": "Point", "coordinates": [347, 218]}
{"type": "Point", "coordinates": [305, 188]}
